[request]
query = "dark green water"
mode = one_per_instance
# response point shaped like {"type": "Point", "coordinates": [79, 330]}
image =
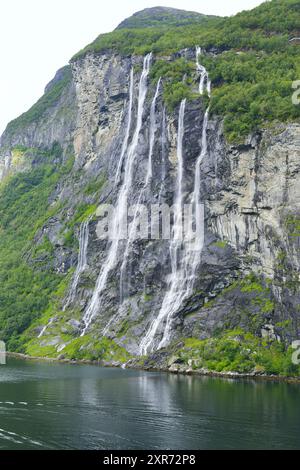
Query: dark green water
{"type": "Point", "coordinates": [54, 406]}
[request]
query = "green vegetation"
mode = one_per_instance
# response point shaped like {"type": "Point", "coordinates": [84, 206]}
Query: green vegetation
{"type": "Point", "coordinates": [83, 212]}
{"type": "Point", "coordinates": [43, 252]}
{"type": "Point", "coordinates": [252, 88]}
{"type": "Point", "coordinates": [95, 186]}
{"type": "Point", "coordinates": [161, 17]}
{"type": "Point", "coordinates": [178, 78]}
{"type": "Point", "coordinates": [25, 291]}
{"type": "Point", "coordinates": [292, 224]}
{"type": "Point", "coordinates": [252, 74]}
{"type": "Point", "coordinates": [266, 27]}
{"type": "Point", "coordinates": [258, 299]}
{"type": "Point", "coordinates": [95, 349]}
{"type": "Point", "coordinates": [83, 348]}
{"type": "Point", "coordinates": [221, 244]}
{"type": "Point", "coordinates": [239, 351]}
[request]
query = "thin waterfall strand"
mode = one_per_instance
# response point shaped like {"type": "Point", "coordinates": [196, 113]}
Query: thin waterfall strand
{"type": "Point", "coordinates": [82, 261]}
{"type": "Point", "coordinates": [45, 328]}
{"type": "Point", "coordinates": [134, 223]}
{"type": "Point", "coordinates": [121, 207]}
{"type": "Point", "coordinates": [205, 82]}
{"type": "Point", "coordinates": [126, 140]}
{"type": "Point", "coordinates": [168, 303]}
{"type": "Point", "coordinates": [152, 132]}
{"type": "Point", "coordinates": [163, 155]}
{"type": "Point", "coordinates": [192, 248]}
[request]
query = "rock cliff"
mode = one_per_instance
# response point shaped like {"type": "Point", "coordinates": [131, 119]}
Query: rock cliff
{"type": "Point", "coordinates": [107, 113]}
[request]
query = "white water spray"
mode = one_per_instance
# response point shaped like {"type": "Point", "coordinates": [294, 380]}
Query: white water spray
{"type": "Point", "coordinates": [185, 258]}
{"type": "Point", "coordinates": [134, 224]}
{"type": "Point", "coordinates": [171, 300]}
{"type": "Point", "coordinates": [121, 207]}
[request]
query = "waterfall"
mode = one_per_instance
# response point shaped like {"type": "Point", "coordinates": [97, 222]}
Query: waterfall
{"type": "Point", "coordinates": [204, 78]}
{"type": "Point", "coordinates": [163, 155]}
{"type": "Point", "coordinates": [172, 299]}
{"type": "Point", "coordinates": [121, 206]}
{"type": "Point", "coordinates": [133, 226]}
{"type": "Point", "coordinates": [185, 256]}
{"type": "Point", "coordinates": [152, 132]}
{"type": "Point", "coordinates": [199, 214]}
{"type": "Point", "coordinates": [126, 140]}
{"type": "Point", "coordinates": [82, 261]}
{"type": "Point", "coordinates": [46, 327]}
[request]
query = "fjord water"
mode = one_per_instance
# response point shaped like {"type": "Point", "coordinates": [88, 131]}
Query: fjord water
{"type": "Point", "coordinates": [58, 406]}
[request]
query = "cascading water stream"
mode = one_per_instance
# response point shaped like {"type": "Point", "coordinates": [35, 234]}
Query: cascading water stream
{"type": "Point", "coordinates": [204, 78]}
{"type": "Point", "coordinates": [184, 259]}
{"type": "Point", "coordinates": [152, 132]}
{"type": "Point", "coordinates": [163, 155]}
{"type": "Point", "coordinates": [121, 206]}
{"type": "Point", "coordinates": [192, 248]}
{"type": "Point", "coordinates": [82, 261]}
{"type": "Point", "coordinates": [134, 223]}
{"type": "Point", "coordinates": [45, 328]}
{"type": "Point", "coordinates": [126, 140]}
{"type": "Point", "coordinates": [171, 299]}
{"type": "Point", "coordinates": [81, 266]}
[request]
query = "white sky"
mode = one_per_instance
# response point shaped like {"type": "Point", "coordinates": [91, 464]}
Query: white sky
{"type": "Point", "coordinates": [37, 37]}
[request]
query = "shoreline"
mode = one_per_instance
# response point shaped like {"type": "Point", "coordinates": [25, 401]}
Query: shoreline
{"type": "Point", "coordinates": [187, 372]}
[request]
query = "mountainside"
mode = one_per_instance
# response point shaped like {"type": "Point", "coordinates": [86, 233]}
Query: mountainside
{"type": "Point", "coordinates": [160, 17]}
{"type": "Point", "coordinates": [160, 115]}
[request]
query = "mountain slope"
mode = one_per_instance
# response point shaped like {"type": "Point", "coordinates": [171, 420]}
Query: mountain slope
{"type": "Point", "coordinates": [50, 119]}
{"type": "Point", "coordinates": [92, 139]}
{"type": "Point", "coordinates": [161, 17]}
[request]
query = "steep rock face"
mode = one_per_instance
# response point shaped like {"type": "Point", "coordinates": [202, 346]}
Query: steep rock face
{"type": "Point", "coordinates": [50, 120]}
{"type": "Point", "coordinates": [258, 195]}
{"type": "Point", "coordinates": [251, 200]}
{"type": "Point", "coordinates": [101, 89]}
{"type": "Point", "coordinates": [252, 197]}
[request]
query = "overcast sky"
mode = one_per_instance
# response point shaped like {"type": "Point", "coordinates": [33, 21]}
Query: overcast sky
{"type": "Point", "coordinates": [37, 37]}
